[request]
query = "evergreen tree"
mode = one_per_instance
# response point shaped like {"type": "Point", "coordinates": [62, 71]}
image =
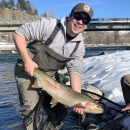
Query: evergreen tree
{"type": "Point", "coordinates": [3, 4]}
{"type": "Point", "coordinates": [11, 4]}
{"type": "Point", "coordinates": [28, 8]}
{"type": "Point", "coordinates": [21, 5]}
{"type": "Point", "coordinates": [45, 15]}
{"type": "Point", "coordinates": [18, 5]}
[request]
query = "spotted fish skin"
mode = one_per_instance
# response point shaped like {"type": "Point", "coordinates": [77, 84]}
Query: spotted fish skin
{"type": "Point", "coordinates": [63, 94]}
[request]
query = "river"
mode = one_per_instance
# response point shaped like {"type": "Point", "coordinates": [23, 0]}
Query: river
{"type": "Point", "coordinates": [10, 118]}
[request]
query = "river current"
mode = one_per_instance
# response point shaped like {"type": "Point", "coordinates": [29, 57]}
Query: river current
{"type": "Point", "coordinates": [10, 118]}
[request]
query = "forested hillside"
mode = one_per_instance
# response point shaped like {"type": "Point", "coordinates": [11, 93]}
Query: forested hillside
{"type": "Point", "coordinates": [24, 10]}
{"type": "Point", "coordinates": [24, 6]}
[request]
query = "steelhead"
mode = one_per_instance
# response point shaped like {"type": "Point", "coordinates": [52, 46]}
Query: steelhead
{"type": "Point", "coordinates": [64, 94]}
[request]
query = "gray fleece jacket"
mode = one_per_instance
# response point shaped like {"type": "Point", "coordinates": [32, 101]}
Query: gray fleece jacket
{"type": "Point", "coordinates": [41, 30]}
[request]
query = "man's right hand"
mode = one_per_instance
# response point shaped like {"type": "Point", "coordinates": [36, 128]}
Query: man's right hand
{"type": "Point", "coordinates": [29, 66]}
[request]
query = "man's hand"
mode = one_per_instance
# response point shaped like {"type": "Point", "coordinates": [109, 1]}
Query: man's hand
{"type": "Point", "coordinates": [126, 108]}
{"type": "Point", "coordinates": [29, 66]}
{"type": "Point", "coordinates": [20, 44]}
{"type": "Point", "coordinates": [78, 109]}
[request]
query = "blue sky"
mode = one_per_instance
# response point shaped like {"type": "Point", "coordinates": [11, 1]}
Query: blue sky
{"type": "Point", "coordinates": [102, 8]}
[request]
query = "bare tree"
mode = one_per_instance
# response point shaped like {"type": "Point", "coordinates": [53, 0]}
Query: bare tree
{"type": "Point", "coordinates": [34, 9]}
{"type": "Point", "coordinates": [51, 13]}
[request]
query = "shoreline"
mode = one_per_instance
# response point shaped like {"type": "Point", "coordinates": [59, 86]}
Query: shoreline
{"type": "Point", "coordinates": [11, 46]}
{"type": "Point", "coordinates": [105, 45]}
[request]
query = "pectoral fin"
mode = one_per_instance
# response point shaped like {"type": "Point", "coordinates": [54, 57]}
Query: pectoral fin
{"type": "Point", "coordinates": [53, 102]}
{"type": "Point", "coordinates": [37, 84]}
{"type": "Point", "coordinates": [83, 117]}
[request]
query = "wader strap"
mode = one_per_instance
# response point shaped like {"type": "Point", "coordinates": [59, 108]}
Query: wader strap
{"type": "Point", "coordinates": [53, 34]}
{"type": "Point", "coordinates": [76, 46]}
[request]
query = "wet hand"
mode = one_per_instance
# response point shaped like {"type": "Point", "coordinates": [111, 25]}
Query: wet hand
{"type": "Point", "coordinates": [29, 67]}
{"type": "Point", "coordinates": [78, 109]}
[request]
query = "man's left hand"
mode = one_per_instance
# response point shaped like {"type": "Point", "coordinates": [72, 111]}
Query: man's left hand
{"type": "Point", "coordinates": [78, 109]}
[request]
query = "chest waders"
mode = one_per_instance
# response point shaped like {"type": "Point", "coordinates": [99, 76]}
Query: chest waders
{"type": "Point", "coordinates": [50, 62]}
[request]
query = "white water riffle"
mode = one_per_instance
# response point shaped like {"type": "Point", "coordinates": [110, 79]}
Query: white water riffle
{"type": "Point", "coordinates": [105, 72]}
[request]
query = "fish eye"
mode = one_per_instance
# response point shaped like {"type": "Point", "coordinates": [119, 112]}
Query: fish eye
{"type": "Point", "coordinates": [98, 107]}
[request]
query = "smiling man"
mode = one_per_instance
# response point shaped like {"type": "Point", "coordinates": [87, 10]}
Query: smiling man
{"type": "Point", "coordinates": [79, 19]}
{"type": "Point", "coordinates": [55, 44]}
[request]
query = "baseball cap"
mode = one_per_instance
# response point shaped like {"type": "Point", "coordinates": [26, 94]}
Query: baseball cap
{"type": "Point", "coordinates": [81, 7]}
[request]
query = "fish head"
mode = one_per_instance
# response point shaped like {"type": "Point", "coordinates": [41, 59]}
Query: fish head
{"type": "Point", "coordinates": [92, 107]}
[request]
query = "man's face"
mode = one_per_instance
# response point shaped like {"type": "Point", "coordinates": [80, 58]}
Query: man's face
{"type": "Point", "coordinates": [77, 22]}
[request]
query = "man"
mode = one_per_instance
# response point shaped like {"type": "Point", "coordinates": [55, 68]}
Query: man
{"type": "Point", "coordinates": [125, 84]}
{"type": "Point", "coordinates": [66, 48]}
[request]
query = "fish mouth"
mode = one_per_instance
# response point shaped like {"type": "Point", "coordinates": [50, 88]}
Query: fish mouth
{"type": "Point", "coordinates": [101, 110]}
{"type": "Point", "coordinates": [98, 110]}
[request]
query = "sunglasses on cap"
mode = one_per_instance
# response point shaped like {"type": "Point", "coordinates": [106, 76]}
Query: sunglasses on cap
{"type": "Point", "coordinates": [78, 16]}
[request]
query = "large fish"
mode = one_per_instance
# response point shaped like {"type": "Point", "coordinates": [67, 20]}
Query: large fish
{"type": "Point", "coordinates": [64, 94]}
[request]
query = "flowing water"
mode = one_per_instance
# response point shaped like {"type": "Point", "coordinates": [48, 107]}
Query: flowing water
{"type": "Point", "coordinates": [10, 118]}
{"type": "Point", "coordinates": [9, 103]}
